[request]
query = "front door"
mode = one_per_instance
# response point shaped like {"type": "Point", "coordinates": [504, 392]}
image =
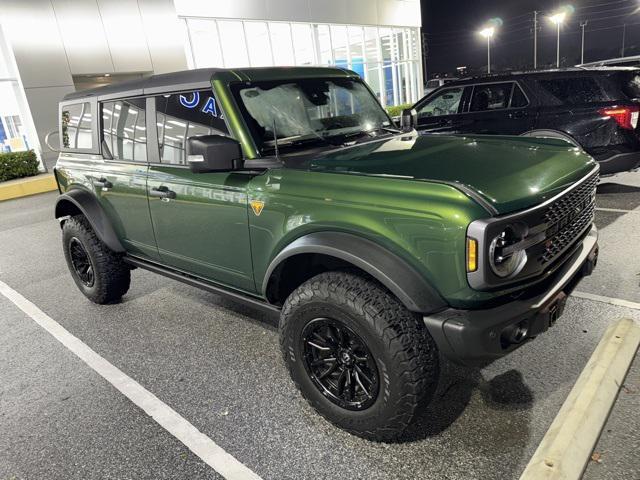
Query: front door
{"type": "Point", "coordinates": [200, 220]}
{"type": "Point", "coordinates": [439, 113]}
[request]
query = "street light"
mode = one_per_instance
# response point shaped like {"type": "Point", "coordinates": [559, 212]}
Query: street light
{"type": "Point", "coordinates": [488, 34]}
{"type": "Point", "coordinates": [558, 19]}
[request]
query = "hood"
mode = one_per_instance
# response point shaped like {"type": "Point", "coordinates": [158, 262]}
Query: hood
{"type": "Point", "coordinates": [511, 173]}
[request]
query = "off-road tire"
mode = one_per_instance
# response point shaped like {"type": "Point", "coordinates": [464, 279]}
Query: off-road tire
{"type": "Point", "coordinates": [111, 276]}
{"type": "Point", "coordinates": [406, 356]}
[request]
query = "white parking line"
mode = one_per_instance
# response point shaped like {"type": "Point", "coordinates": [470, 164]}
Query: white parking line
{"type": "Point", "coordinates": [566, 448]}
{"type": "Point", "coordinates": [611, 301]}
{"type": "Point", "coordinates": [616, 210]}
{"type": "Point", "coordinates": [205, 448]}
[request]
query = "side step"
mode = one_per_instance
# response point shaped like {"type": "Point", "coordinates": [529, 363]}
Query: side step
{"type": "Point", "coordinates": [202, 284]}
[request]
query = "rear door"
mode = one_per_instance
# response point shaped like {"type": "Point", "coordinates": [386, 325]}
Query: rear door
{"type": "Point", "coordinates": [118, 174]}
{"type": "Point", "coordinates": [200, 220]}
{"type": "Point", "coordinates": [439, 113]}
{"type": "Point", "coordinates": [499, 108]}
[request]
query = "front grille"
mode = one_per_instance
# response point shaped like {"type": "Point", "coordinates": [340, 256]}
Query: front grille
{"type": "Point", "coordinates": [567, 218]}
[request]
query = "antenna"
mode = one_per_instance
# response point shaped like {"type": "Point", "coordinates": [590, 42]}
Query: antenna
{"type": "Point", "coordinates": [275, 139]}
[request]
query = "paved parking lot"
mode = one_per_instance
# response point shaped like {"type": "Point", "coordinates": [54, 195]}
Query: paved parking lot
{"type": "Point", "coordinates": [218, 365]}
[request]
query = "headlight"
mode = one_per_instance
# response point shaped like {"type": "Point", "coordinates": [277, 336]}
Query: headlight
{"type": "Point", "coordinates": [505, 258]}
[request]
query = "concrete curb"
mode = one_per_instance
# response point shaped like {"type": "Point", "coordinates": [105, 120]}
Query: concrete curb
{"type": "Point", "coordinates": [27, 186]}
{"type": "Point", "coordinates": [567, 445]}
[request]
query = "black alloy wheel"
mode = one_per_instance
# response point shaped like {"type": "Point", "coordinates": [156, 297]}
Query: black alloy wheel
{"type": "Point", "coordinates": [81, 262]}
{"type": "Point", "coordinates": [340, 364]}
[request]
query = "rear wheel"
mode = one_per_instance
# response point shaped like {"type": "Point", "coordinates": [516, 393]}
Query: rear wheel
{"type": "Point", "coordinates": [99, 273]}
{"type": "Point", "coordinates": [359, 357]}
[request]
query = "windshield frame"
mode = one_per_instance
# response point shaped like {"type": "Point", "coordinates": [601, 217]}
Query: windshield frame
{"type": "Point", "coordinates": [261, 145]}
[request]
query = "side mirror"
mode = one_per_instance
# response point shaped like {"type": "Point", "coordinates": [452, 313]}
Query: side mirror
{"type": "Point", "coordinates": [409, 119]}
{"type": "Point", "coordinates": [213, 153]}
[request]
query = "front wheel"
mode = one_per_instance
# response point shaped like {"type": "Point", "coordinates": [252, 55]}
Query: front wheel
{"type": "Point", "coordinates": [358, 356]}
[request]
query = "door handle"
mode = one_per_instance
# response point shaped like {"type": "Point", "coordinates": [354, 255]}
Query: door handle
{"type": "Point", "coordinates": [103, 183]}
{"type": "Point", "coordinates": [519, 114]}
{"type": "Point", "coordinates": [162, 193]}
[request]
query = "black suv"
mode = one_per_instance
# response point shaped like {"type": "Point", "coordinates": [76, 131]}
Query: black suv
{"type": "Point", "coordinates": [596, 109]}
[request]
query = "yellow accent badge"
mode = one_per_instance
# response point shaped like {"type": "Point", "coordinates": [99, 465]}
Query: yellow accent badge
{"type": "Point", "coordinates": [257, 206]}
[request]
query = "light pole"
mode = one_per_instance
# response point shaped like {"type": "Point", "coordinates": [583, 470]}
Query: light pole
{"type": "Point", "coordinates": [582, 24]}
{"type": "Point", "coordinates": [558, 19]}
{"type": "Point", "coordinates": [488, 33]}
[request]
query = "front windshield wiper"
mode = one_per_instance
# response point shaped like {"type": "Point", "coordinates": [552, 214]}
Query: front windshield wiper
{"type": "Point", "coordinates": [360, 133]}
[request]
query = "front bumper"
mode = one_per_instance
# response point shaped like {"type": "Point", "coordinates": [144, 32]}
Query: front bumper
{"type": "Point", "coordinates": [474, 336]}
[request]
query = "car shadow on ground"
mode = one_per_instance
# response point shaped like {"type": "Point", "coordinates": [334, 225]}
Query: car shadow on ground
{"type": "Point", "coordinates": [611, 187]}
{"type": "Point", "coordinates": [504, 392]}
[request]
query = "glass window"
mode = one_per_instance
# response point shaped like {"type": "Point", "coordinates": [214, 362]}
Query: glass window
{"type": "Point", "coordinates": [303, 44]}
{"type": "Point", "coordinates": [234, 49]}
{"type": "Point", "coordinates": [518, 99]}
{"type": "Point", "coordinates": [205, 43]}
{"type": "Point", "coordinates": [356, 50]}
{"type": "Point", "coordinates": [77, 122]}
{"type": "Point", "coordinates": [323, 37]}
{"type": "Point", "coordinates": [491, 97]}
{"type": "Point", "coordinates": [445, 102]}
{"type": "Point", "coordinates": [258, 44]}
{"type": "Point", "coordinates": [183, 115]}
{"type": "Point", "coordinates": [573, 91]}
{"type": "Point", "coordinates": [281, 44]}
{"type": "Point", "coordinates": [124, 129]}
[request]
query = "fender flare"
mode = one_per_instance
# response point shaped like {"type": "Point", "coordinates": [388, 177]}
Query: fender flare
{"type": "Point", "coordinates": [411, 288]}
{"type": "Point", "coordinates": [87, 204]}
{"type": "Point", "coordinates": [549, 133]}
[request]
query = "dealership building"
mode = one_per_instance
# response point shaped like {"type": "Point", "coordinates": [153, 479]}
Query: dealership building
{"type": "Point", "coordinates": [49, 48]}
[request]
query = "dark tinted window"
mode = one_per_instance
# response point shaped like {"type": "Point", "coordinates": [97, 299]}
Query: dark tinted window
{"type": "Point", "coordinates": [491, 97]}
{"type": "Point", "coordinates": [518, 98]}
{"type": "Point", "coordinates": [573, 91]}
{"type": "Point", "coordinates": [445, 102]}
{"type": "Point", "coordinates": [77, 126]}
{"type": "Point", "coordinates": [629, 83]}
{"type": "Point", "coordinates": [124, 129]}
{"type": "Point", "coordinates": [184, 115]}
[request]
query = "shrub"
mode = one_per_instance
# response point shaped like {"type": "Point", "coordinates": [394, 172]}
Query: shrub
{"type": "Point", "coordinates": [18, 165]}
{"type": "Point", "coordinates": [396, 111]}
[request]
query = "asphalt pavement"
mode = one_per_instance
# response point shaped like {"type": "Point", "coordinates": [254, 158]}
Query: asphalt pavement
{"type": "Point", "coordinates": [218, 365]}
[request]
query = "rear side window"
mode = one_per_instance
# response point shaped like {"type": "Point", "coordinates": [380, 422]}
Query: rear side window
{"type": "Point", "coordinates": [124, 129]}
{"type": "Point", "coordinates": [491, 97]}
{"type": "Point", "coordinates": [573, 91]}
{"type": "Point", "coordinates": [518, 99]}
{"type": "Point", "coordinates": [629, 84]}
{"type": "Point", "coordinates": [77, 126]}
{"type": "Point", "coordinates": [183, 115]}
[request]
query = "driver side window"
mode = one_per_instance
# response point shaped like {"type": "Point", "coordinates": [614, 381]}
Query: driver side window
{"type": "Point", "coordinates": [446, 102]}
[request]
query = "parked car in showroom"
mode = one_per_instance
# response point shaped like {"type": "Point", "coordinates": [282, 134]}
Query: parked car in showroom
{"type": "Point", "coordinates": [596, 109]}
{"type": "Point", "coordinates": [289, 189]}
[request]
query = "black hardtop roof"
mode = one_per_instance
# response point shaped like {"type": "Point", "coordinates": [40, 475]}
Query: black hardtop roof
{"type": "Point", "coordinates": [199, 78]}
{"type": "Point", "coordinates": [562, 72]}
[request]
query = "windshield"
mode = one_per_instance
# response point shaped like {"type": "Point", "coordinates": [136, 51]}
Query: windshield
{"type": "Point", "coordinates": [297, 111]}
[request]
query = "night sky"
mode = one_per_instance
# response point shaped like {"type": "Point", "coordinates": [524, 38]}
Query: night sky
{"type": "Point", "coordinates": [452, 40]}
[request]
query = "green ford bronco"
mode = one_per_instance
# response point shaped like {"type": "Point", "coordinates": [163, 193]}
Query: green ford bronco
{"type": "Point", "coordinates": [292, 190]}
